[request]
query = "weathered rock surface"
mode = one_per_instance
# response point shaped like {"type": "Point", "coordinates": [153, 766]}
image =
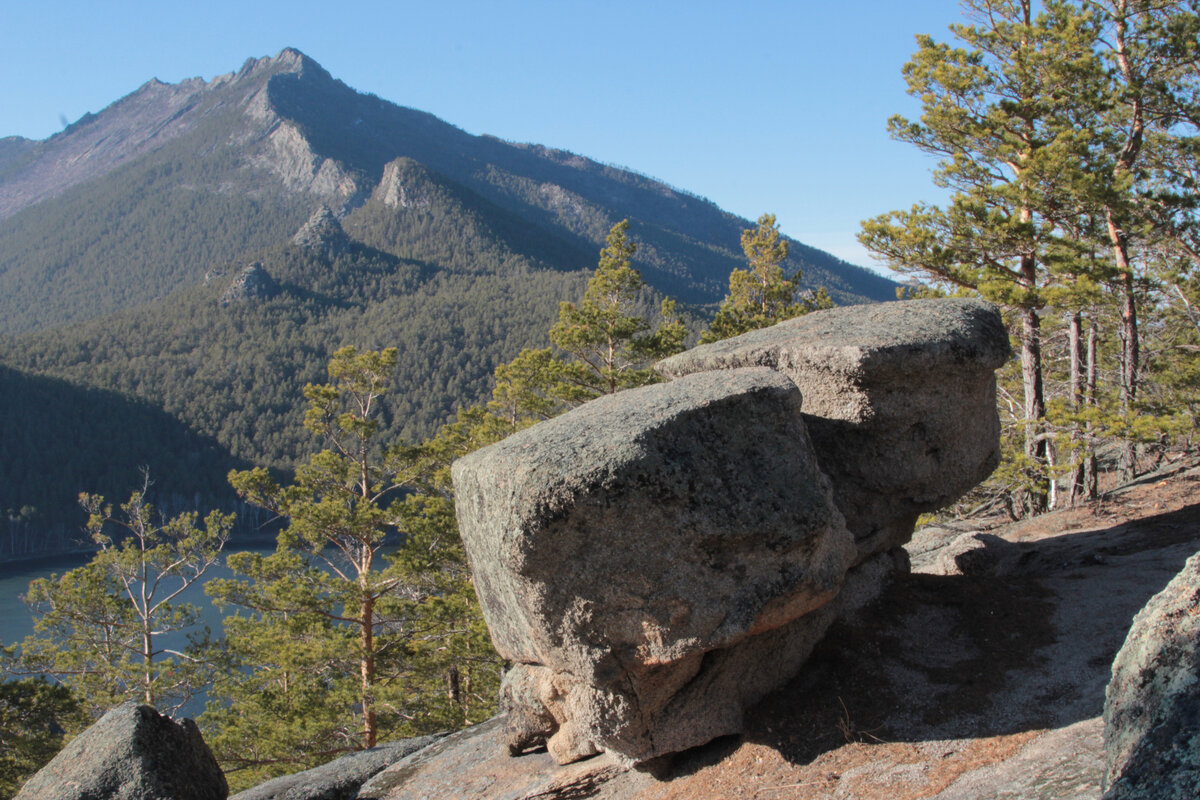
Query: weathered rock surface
{"type": "Point", "coordinates": [623, 551]}
{"type": "Point", "coordinates": [340, 779]}
{"type": "Point", "coordinates": [1152, 705]}
{"type": "Point", "coordinates": [252, 283]}
{"type": "Point", "coordinates": [899, 399]}
{"type": "Point", "coordinates": [131, 753]}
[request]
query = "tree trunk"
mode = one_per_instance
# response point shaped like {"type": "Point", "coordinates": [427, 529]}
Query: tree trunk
{"type": "Point", "coordinates": [1130, 355]}
{"type": "Point", "coordinates": [1078, 366]}
{"type": "Point", "coordinates": [147, 664]}
{"type": "Point", "coordinates": [1035, 402]}
{"type": "Point", "coordinates": [1091, 478]}
{"type": "Point", "coordinates": [1118, 233]}
{"type": "Point", "coordinates": [366, 621]}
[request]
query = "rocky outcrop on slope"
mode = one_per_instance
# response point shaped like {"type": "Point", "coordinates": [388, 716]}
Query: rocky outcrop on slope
{"type": "Point", "coordinates": [1152, 706]}
{"type": "Point", "coordinates": [131, 753]}
{"type": "Point", "coordinates": [899, 399]}
{"type": "Point", "coordinates": [288, 153]}
{"type": "Point", "coordinates": [404, 185]}
{"type": "Point", "coordinates": [322, 231]}
{"type": "Point", "coordinates": [252, 283]}
{"type": "Point", "coordinates": [622, 549]}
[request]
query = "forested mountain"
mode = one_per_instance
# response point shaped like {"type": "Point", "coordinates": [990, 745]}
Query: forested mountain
{"type": "Point", "coordinates": [58, 439]}
{"type": "Point", "coordinates": [126, 245]}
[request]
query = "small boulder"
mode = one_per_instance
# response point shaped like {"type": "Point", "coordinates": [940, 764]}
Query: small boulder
{"type": "Point", "coordinates": [131, 753]}
{"type": "Point", "coordinates": [1152, 705]}
{"type": "Point", "coordinates": [616, 546]}
{"type": "Point", "coordinates": [975, 554]}
{"type": "Point", "coordinates": [899, 398]}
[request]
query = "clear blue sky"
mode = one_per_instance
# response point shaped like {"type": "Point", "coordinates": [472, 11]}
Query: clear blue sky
{"type": "Point", "coordinates": [758, 105]}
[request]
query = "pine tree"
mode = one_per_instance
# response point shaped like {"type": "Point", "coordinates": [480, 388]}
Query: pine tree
{"type": "Point", "coordinates": [998, 115]}
{"type": "Point", "coordinates": [761, 296]}
{"type": "Point", "coordinates": [611, 344]}
{"type": "Point", "coordinates": [1146, 114]}
{"type": "Point", "coordinates": [103, 628]}
{"type": "Point", "coordinates": [333, 626]}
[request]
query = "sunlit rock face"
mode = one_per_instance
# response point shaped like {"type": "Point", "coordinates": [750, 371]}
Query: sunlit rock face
{"type": "Point", "coordinates": [899, 399]}
{"type": "Point", "coordinates": [615, 546]}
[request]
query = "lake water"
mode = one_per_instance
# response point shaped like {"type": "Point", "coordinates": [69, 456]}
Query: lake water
{"type": "Point", "coordinates": [16, 621]}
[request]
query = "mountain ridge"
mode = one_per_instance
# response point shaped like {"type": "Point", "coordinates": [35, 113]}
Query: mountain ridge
{"type": "Point", "coordinates": [280, 136]}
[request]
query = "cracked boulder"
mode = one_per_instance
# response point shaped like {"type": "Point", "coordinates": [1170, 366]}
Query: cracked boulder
{"type": "Point", "coordinates": [899, 399]}
{"type": "Point", "coordinates": [640, 557]}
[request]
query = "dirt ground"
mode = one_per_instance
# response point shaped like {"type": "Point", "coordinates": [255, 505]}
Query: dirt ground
{"type": "Point", "coordinates": [983, 685]}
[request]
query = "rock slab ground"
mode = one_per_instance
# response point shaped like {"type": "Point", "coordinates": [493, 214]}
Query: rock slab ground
{"type": "Point", "coordinates": [131, 753]}
{"type": "Point", "coordinates": [337, 780]}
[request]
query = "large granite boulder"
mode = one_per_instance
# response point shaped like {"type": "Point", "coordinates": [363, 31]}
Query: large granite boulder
{"type": "Point", "coordinates": [899, 399]}
{"type": "Point", "coordinates": [131, 753]}
{"type": "Point", "coordinates": [1152, 705]}
{"type": "Point", "coordinates": [624, 551]}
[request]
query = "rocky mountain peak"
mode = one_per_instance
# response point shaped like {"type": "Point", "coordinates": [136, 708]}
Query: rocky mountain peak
{"type": "Point", "coordinates": [321, 230]}
{"type": "Point", "coordinates": [288, 61]}
{"type": "Point", "coordinates": [252, 283]}
{"type": "Point", "coordinates": [405, 184]}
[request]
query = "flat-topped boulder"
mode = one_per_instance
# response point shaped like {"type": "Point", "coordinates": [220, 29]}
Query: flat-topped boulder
{"type": "Point", "coordinates": [899, 399]}
{"type": "Point", "coordinates": [615, 546]}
